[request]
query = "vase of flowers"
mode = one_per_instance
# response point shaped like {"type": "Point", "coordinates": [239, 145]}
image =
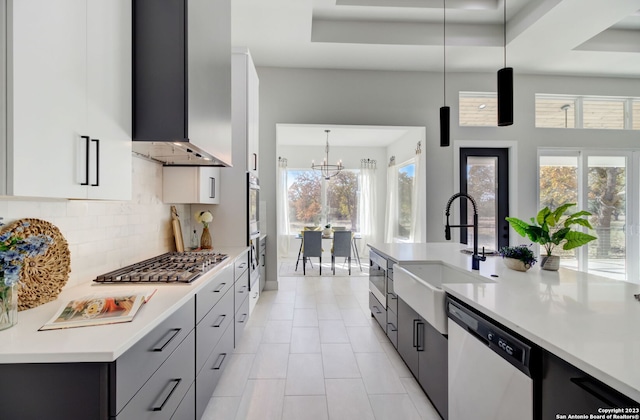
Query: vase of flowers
{"type": "Point", "coordinates": [519, 258]}
{"type": "Point", "coordinates": [13, 251]}
{"type": "Point", "coordinates": [205, 217]}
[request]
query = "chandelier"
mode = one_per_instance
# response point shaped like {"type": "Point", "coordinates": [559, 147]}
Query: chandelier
{"type": "Point", "coordinates": [325, 169]}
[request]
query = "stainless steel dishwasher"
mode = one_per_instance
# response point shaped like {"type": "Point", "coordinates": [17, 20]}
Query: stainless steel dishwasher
{"type": "Point", "coordinates": [489, 370]}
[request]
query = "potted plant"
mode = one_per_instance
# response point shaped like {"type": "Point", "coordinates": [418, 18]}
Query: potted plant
{"type": "Point", "coordinates": [519, 258]}
{"type": "Point", "coordinates": [551, 228]}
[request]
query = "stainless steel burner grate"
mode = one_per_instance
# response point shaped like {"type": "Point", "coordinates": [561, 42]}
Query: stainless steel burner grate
{"type": "Point", "coordinates": [172, 267]}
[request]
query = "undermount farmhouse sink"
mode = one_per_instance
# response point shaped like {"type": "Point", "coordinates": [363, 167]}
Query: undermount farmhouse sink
{"type": "Point", "coordinates": [420, 286]}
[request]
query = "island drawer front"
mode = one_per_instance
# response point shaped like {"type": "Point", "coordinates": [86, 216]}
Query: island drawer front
{"type": "Point", "coordinates": [210, 374]}
{"type": "Point", "coordinates": [134, 367]}
{"type": "Point", "coordinates": [215, 289]}
{"type": "Point", "coordinates": [211, 328]}
{"type": "Point", "coordinates": [392, 327]}
{"type": "Point", "coordinates": [160, 396]}
{"type": "Point", "coordinates": [242, 316]}
{"type": "Point", "coordinates": [392, 301]}
{"type": "Point", "coordinates": [378, 311]}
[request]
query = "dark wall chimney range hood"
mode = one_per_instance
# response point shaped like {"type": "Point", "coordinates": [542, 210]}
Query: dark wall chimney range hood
{"type": "Point", "coordinates": [182, 81]}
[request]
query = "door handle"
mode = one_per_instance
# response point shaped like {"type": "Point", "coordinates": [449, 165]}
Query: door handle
{"type": "Point", "coordinates": [377, 309]}
{"type": "Point", "coordinates": [420, 341]}
{"type": "Point", "coordinates": [219, 288]}
{"type": "Point", "coordinates": [86, 159]}
{"type": "Point", "coordinates": [97, 163]}
{"type": "Point", "coordinates": [168, 391]}
{"type": "Point", "coordinates": [244, 317]}
{"type": "Point", "coordinates": [415, 334]}
{"type": "Point", "coordinates": [212, 187]}
{"type": "Point", "coordinates": [219, 361]}
{"type": "Point", "coordinates": [219, 321]}
{"type": "Point", "coordinates": [174, 332]}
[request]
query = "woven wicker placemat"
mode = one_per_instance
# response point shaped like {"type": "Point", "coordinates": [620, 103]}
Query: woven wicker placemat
{"type": "Point", "coordinates": [42, 277]}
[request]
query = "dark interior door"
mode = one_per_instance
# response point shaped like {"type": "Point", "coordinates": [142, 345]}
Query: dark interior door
{"type": "Point", "coordinates": [484, 174]}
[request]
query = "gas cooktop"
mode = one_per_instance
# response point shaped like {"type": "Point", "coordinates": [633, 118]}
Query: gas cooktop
{"type": "Point", "coordinates": [172, 267]}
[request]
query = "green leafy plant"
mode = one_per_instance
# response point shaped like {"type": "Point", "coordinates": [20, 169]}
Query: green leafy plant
{"type": "Point", "coordinates": [550, 228]}
{"type": "Point", "coordinates": [520, 252]}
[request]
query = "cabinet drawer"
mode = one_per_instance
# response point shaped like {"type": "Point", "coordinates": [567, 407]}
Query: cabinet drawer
{"type": "Point", "coordinates": [133, 368]}
{"type": "Point", "coordinates": [392, 301]}
{"type": "Point", "coordinates": [209, 331]}
{"type": "Point", "coordinates": [215, 289]}
{"type": "Point", "coordinates": [241, 291]}
{"type": "Point", "coordinates": [209, 376]}
{"type": "Point", "coordinates": [160, 396]}
{"type": "Point", "coordinates": [242, 316]}
{"type": "Point", "coordinates": [378, 311]}
{"type": "Point", "coordinates": [241, 265]}
{"type": "Point", "coordinates": [254, 295]}
{"type": "Point", "coordinates": [392, 327]}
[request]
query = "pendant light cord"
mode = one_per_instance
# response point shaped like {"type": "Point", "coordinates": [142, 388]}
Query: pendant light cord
{"type": "Point", "coordinates": [444, 51]}
{"type": "Point", "coordinates": [504, 29]}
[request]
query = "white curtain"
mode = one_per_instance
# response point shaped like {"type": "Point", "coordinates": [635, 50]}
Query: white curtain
{"type": "Point", "coordinates": [391, 214]}
{"type": "Point", "coordinates": [367, 205]}
{"type": "Point", "coordinates": [282, 209]}
{"type": "Point", "coordinates": [417, 196]}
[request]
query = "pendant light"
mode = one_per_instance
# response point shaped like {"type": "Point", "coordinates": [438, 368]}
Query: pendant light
{"type": "Point", "coordinates": [445, 111]}
{"type": "Point", "coordinates": [327, 170]}
{"type": "Point", "coordinates": [505, 83]}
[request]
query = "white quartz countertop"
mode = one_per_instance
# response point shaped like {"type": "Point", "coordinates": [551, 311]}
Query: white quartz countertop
{"type": "Point", "coordinates": [23, 343]}
{"type": "Point", "coordinates": [590, 321]}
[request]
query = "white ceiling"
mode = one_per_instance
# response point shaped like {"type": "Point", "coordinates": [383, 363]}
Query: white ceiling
{"type": "Point", "coordinates": [341, 135]}
{"type": "Point", "coordinates": [568, 37]}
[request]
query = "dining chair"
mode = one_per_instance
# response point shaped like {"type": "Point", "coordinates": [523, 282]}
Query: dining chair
{"type": "Point", "coordinates": [302, 243]}
{"type": "Point", "coordinates": [341, 248]}
{"type": "Point", "coordinates": [311, 247]}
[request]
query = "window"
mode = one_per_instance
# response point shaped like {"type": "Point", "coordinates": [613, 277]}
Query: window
{"type": "Point", "coordinates": [314, 201]}
{"type": "Point", "coordinates": [478, 109]}
{"type": "Point", "coordinates": [556, 112]}
{"type": "Point", "coordinates": [597, 182]}
{"type": "Point", "coordinates": [600, 112]}
{"type": "Point", "coordinates": [406, 178]}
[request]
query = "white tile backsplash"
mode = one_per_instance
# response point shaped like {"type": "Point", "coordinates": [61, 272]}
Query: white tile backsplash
{"type": "Point", "coordinates": [106, 235]}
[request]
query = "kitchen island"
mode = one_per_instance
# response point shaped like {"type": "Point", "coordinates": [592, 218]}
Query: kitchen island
{"type": "Point", "coordinates": [587, 320]}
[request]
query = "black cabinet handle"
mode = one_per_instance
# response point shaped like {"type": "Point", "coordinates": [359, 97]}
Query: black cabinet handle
{"type": "Point", "coordinates": [219, 321]}
{"type": "Point", "coordinates": [243, 318]}
{"type": "Point", "coordinates": [420, 340]}
{"type": "Point", "coordinates": [242, 289]}
{"type": "Point", "coordinates": [86, 159]}
{"type": "Point", "coordinates": [212, 187]}
{"type": "Point", "coordinates": [166, 339]}
{"type": "Point", "coordinates": [263, 257]}
{"type": "Point", "coordinates": [377, 309]}
{"type": "Point", "coordinates": [393, 296]}
{"type": "Point", "coordinates": [255, 161]}
{"type": "Point", "coordinates": [166, 394]}
{"type": "Point", "coordinates": [243, 265]}
{"type": "Point", "coordinates": [97, 163]}
{"type": "Point", "coordinates": [415, 333]}
{"type": "Point", "coordinates": [393, 327]}
{"type": "Point", "coordinates": [219, 288]}
{"type": "Point", "coordinates": [219, 361]}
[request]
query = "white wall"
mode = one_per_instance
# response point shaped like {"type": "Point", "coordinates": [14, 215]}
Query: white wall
{"type": "Point", "coordinates": [309, 96]}
{"type": "Point", "coordinates": [105, 235]}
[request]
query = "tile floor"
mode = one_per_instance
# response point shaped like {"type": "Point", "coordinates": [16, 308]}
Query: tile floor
{"type": "Point", "coordinates": [311, 351]}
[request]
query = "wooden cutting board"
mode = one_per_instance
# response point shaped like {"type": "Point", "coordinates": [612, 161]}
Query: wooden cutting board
{"type": "Point", "coordinates": [177, 229]}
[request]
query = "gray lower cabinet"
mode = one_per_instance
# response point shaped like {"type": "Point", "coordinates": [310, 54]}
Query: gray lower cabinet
{"type": "Point", "coordinates": [378, 311]}
{"type": "Point", "coordinates": [170, 373]}
{"type": "Point", "coordinates": [424, 350]}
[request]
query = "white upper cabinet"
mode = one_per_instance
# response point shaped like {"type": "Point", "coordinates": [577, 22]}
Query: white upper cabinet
{"type": "Point", "coordinates": [245, 115]}
{"type": "Point", "coordinates": [68, 70]}
{"type": "Point", "coordinates": [191, 184]}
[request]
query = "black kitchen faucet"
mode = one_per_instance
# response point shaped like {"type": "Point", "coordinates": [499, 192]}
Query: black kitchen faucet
{"type": "Point", "coordinates": [475, 258]}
